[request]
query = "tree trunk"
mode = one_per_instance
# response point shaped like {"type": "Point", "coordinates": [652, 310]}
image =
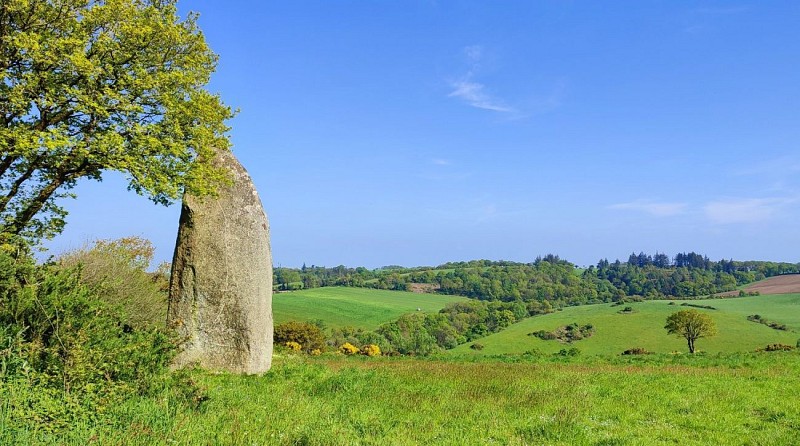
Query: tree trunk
{"type": "Point", "coordinates": [691, 345]}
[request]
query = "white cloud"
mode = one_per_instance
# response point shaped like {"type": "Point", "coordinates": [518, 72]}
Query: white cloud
{"type": "Point", "coordinates": [658, 209]}
{"type": "Point", "coordinates": [441, 162]}
{"type": "Point", "coordinates": [473, 93]}
{"type": "Point", "coordinates": [744, 210]}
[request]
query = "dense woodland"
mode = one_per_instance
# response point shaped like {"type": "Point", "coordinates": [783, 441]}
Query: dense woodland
{"type": "Point", "coordinates": [550, 279]}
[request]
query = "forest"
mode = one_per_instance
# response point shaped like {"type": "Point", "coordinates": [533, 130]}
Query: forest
{"type": "Point", "coordinates": [551, 280]}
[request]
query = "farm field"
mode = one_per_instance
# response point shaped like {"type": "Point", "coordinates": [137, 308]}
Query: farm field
{"type": "Point", "coordinates": [789, 283]}
{"type": "Point", "coordinates": [616, 332]}
{"type": "Point", "coordinates": [354, 307]}
{"type": "Point", "coordinates": [400, 401]}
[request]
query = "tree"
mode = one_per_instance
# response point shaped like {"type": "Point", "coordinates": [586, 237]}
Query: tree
{"type": "Point", "coordinates": [692, 325]}
{"type": "Point", "coordinates": [88, 86]}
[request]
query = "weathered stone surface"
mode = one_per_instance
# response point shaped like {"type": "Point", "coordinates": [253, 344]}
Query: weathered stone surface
{"type": "Point", "coordinates": [220, 296]}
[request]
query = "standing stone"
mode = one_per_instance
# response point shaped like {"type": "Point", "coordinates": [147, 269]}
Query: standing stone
{"type": "Point", "coordinates": [220, 293]}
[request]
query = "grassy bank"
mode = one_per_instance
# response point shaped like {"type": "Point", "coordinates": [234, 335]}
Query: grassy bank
{"type": "Point", "coordinates": [734, 399]}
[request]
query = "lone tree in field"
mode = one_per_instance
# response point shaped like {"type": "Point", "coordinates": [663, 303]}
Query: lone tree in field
{"type": "Point", "coordinates": [88, 86]}
{"type": "Point", "coordinates": [691, 324]}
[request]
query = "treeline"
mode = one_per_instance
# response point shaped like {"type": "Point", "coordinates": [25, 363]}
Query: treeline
{"type": "Point", "coordinates": [551, 279]}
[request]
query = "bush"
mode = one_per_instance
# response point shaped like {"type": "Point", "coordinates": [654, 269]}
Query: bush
{"type": "Point", "coordinates": [116, 272]}
{"type": "Point", "coordinates": [776, 348]}
{"type": "Point", "coordinates": [67, 356]}
{"type": "Point", "coordinates": [574, 351]}
{"type": "Point", "coordinates": [308, 335]}
{"type": "Point", "coordinates": [349, 349]}
{"type": "Point", "coordinates": [636, 351]}
{"type": "Point", "coordinates": [293, 346]}
{"type": "Point", "coordinates": [544, 335]}
{"type": "Point", "coordinates": [371, 350]}
{"type": "Point", "coordinates": [476, 346]}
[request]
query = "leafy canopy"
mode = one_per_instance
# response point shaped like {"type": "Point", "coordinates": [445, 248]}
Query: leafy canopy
{"type": "Point", "coordinates": [88, 86]}
{"type": "Point", "coordinates": [691, 325]}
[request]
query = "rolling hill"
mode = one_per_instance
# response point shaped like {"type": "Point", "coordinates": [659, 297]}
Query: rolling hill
{"type": "Point", "coordinates": [616, 332]}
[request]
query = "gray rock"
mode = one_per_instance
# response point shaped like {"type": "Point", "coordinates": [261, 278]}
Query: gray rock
{"type": "Point", "coordinates": [220, 294]}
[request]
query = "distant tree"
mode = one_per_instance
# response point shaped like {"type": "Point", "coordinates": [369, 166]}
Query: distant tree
{"type": "Point", "coordinates": [691, 325]}
{"type": "Point", "coordinates": [661, 260]}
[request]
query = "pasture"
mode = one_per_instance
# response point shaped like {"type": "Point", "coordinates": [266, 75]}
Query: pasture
{"type": "Point", "coordinates": [353, 307]}
{"type": "Point", "coordinates": [644, 327]}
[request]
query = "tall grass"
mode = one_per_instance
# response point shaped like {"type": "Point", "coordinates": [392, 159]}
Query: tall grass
{"type": "Point", "coordinates": [719, 399]}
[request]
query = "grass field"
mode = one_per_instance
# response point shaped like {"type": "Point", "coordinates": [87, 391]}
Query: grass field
{"type": "Point", "coordinates": [354, 307]}
{"type": "Point", "coordinates": [617, 332]}
{"type": "Point", "coordinates": [741, 399]}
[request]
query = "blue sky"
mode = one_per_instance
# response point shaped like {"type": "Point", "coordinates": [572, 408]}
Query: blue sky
{"type": "Point", "coordinates": [420, 132]}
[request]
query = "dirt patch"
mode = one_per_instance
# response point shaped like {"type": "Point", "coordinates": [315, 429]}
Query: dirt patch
{"type": "Point", "coordinates": [425, 288]}
{"type": "Point", "coordinates": [790, 283]}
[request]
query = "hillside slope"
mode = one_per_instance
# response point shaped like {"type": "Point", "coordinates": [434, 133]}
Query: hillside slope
{"type": "Point", "coordinates": [616, 332]}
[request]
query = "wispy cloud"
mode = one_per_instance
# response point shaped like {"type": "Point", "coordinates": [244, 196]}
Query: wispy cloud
{"type": "Point", "coordinates": [744, 210]}
{"type": "Point", "coordinates": [441, 162]}
{"type": "Point", "coordinates": [473, 92]}
{"type": "Point", "coordinates": [655, 208]}
{"type": "Point", "coordinates": [474, 53]}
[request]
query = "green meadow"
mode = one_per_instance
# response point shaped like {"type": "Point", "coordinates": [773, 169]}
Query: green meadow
{"type": "Point", "coordinates": [644, 327]}
{"type": "Point", "coordinates": [331, 400]}
{"type": "Point", "coordinates": [353, 307]}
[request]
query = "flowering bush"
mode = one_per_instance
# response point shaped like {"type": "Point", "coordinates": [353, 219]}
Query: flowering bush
{"type": "Point", "coordinates": [293, 346]}
{"type": "Point", "coordinates": [371, 350]}
{"type": "Point", "coordinates": [349, 349]}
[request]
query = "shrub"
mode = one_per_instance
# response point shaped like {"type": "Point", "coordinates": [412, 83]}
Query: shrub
{"type": "Point", "coordinates": [371, 350]}
{"type": "Point", "coordinates": [293, 346]}
{"type": "Point", "coordinates": [116, 272]}
{"type": "Point", "coordinates": [478, 346]}
{"type": "Point", "coordinates": [771, 324]}
{"type": "Point", "coordinates": [574, 351]}
{"type": "Point", "coordinates": [349, 349]}
{"type": "Point", "coordinates": [69, 355]}
{"type": "Point", "coordinates": [544, 335]}
{"type": "Point", "coordinates": [776, 348]}
{"type": "Point", "coordinates": [636, 351]}
{"type": "Point", "coordinates": [309, 336]}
